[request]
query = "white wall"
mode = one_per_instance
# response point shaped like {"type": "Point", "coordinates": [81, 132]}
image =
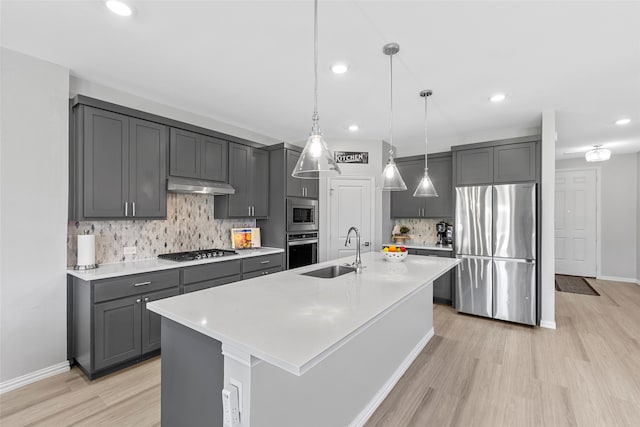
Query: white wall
{"type": "Point", "coordinates": [33, 215]}
{"type": "Point", "coordinates": [372, 169]}
{"type": "Point", "coordinates": [547, 255]}
{"type": "Point", "coordinates": [104, 93]}
{"type": "Point", "coordinates": [619, 209]}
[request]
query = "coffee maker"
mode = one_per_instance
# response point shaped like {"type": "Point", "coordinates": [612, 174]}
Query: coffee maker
{"type": "Point", "coordinates": [441, 229]}
{"type": "Point", "coordinates": [449, 235]}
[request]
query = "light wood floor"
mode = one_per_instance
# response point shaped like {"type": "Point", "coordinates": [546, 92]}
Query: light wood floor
{"type": "Point", "coordinates": [474, 372]}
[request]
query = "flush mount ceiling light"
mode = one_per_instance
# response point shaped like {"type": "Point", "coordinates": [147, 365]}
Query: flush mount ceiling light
{"type": "Point", "coordinates": [339, 68]}
{"type": "Point", "coordinates": [391, 179]}
{"type": "Point", "coordinates": [118, 8]}
{"type": "Point", "coordinates": [353, 128]}
{"type": "Point", "coordinates": [425, 188]}
{"type": "Point", "coordinates": [624, 121]}
{"type": "Point", "coordinates": [498, 97]}
{"type": "Point", "coordinates": [316, 158]}
{"type": "Point", "coordinates": [597, 154]}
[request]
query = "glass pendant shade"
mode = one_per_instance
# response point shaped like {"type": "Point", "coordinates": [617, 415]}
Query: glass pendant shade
{"type": "Point", "coordinates": [425, 187]}
{"type": "Point", "coordinates": [391, 179]}
{"type": "Point", "coordinates": [597, 155]}
{"type": "Point", "coordinates": [315, 159]}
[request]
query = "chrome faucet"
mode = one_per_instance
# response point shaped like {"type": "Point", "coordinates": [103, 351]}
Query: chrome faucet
{"type": "Point", "coordinates": [358, 263]}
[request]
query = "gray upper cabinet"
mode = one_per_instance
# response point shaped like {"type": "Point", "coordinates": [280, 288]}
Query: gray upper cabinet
{"type": "Point", "coordinates": [147, 169]}
{"type": "Point", "coordinates": [474, 166]}
{"type": "Point", "coordinates": [249, 176]}
{"type": "Point", "coordinates": [514, 162]}
{"type": "Point", "coordinates": [404, 205]}
{"type": "Point", "coordinates": [299, 187]}
{"type": "Point", "coordinates": [123, 166]}
{"type": "Point", "coordinates": [184, 154]}
{"type": "Point", "coordinates": [214, 159]}
{"type": "Point", "coordinates": [106, 163]}
{"type": "Point", "coordinates": [497, 162]}
{"type": "Point", "coordinates": [441, 174]}
{"type": "Point", "coordinates": [193, 155]}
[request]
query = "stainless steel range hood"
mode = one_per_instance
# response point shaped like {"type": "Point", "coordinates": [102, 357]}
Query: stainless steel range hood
{"type": "Point", "coordinates": [195, 186]}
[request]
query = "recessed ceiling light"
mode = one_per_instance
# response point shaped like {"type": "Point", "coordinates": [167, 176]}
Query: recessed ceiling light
{"type": "Point", "coordinates": [623, 121]}
{"type": "Point", "coordinates": [118, 8]}
{"type": "Point", "coordinates": [498, 97]}
{"type": "Point", "coordinates": [339, 68]}
{"type": "Point", "coordinates": [353, 128]}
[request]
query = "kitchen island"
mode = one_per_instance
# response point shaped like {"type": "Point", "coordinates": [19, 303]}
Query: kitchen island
{"type": "Point", "coordinates": [301, 351]}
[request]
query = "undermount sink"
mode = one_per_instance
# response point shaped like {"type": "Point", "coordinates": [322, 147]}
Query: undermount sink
{"type": "Point", "coordinates": [330, 272]}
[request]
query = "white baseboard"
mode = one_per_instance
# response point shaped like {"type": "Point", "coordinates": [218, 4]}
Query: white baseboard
{"type": "Point", "coordinates": [32, 377]}
{"type": "Point", "coordinates": [619, 279]}
{"type": "Point", "coordinates": [547, 324]}
{"type": "Point", "coordinates": [364, 415]}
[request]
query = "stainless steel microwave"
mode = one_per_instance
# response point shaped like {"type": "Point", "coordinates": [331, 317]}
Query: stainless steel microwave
{"type": "Point", "coordinates": [302, 214]}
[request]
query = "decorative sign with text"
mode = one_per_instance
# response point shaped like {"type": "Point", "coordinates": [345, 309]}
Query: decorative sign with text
{"type": "Point", "coordinates": [361, 157]}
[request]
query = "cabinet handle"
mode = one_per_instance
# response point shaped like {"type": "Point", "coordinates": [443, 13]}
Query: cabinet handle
{"type": "Point", "coordinates": [249, 210]}
{"type": "Point", "coordinates": [419, 214]}
{"type": "Point", "coordinates": [265, 262]}
{"type": "Point", "coordinates": [138, 301]}
{"type": "Point", "coordinates": [146, 299]}
{"type": "Point", "coordinates": [142, 284]}
{"type": "Point", "coordinates": [126, 208]}
{"type": "Point", "coordinates": [133, 208]}
{"type": "Point", "coordinates": [253, 211]}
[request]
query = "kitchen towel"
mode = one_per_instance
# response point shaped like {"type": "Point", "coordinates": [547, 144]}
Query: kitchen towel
{"type": "Point", "coordinates": [86, 250]}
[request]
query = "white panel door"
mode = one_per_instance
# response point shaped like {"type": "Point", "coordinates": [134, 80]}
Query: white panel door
{"type": "Point", "coordinates": [575, 222]}
{"type": "Point", "coordinates": [350, 206]}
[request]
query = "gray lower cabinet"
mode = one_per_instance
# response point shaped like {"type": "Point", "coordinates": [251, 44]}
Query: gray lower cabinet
{"type": "Point", "coordinates": [249, 175]}
{"type": "Point", "coordinates": [193, 155]}
{"type": "Point", "coordinates": [117, 166]}
{"type": "Point", "coordinates": [404, 205]}
{"type": "Point", "coordinates": [262, 265]}
{"type": "Point", "coordinates": [443, 286]}
{"type": "Point", "coordinates": [110, 326]}
{"type": "Point", "coordinates": [299, 187]}
{"type": "Point", "coordinates": [207, 276]}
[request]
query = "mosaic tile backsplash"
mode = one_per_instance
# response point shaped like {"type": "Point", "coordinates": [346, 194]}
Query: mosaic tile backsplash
{"type": "Point", "coordinates": [190, 225]}
{"type": "Point", "coordinates": [422, 231]}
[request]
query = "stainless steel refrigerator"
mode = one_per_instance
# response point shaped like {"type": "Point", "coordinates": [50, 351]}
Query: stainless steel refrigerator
{"type": "Point", "coordinates": [496, 239]}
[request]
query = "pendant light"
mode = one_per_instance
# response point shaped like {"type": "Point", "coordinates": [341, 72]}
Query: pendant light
{"type": "Point", "coordinates": [597, 154]}
{"type": "Point", "coordinates": [425, 187]}
{"type": "Point", "coordinates": [316, 158]}
{"type": "Point", "coordinates": [391, 179]}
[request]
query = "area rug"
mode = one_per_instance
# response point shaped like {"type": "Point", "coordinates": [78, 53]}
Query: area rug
{"type": "Point", "coordinates": [574, 284]}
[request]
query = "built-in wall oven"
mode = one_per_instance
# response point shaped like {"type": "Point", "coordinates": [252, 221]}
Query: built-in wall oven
{"type": "Point", "coordinates": [302, 215]}
{"type": "Point", "coordinates": [302, 249]}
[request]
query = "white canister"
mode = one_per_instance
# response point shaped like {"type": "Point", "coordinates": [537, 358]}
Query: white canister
{"type": "Point", "coordinates": [86, 252]}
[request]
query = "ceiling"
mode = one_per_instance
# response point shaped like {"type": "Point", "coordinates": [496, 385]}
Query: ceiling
{"type": "Point", "coordinates": [250, 64]}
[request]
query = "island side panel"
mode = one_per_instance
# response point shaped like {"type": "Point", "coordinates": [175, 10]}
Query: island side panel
{"type": "Point", "coordinates": [346, 387]}
{"type": "Point", "coordinates": [192, 377]}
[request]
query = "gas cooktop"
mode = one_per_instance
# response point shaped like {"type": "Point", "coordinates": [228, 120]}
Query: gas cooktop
{"type": "Point", "coordinates": [201, 254]}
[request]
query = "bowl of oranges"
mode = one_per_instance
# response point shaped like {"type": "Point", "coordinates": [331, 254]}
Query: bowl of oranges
{"type": "Point", "coordinates": [394, 253]}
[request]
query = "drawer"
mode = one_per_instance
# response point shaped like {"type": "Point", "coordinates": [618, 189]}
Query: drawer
{"type": "Point", "coordinates": [430, 252]}
{"type": "Point", "coordinates": [261, 262]}
{"type": "Point", "coordinates": [211, 283]}
{"type": "Point", "coordinates": [125, 286]}
{"type": "Point", "coordinates": [260, 273]}
{"type": "Point", "coordinates": [215, 270]}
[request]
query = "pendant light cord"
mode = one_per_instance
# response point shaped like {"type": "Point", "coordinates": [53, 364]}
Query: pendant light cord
{"type": "Point", "coordinates": [315, 63]}
{"type": "Point", "coordinates": [391, 106]}
{"type": "Point", "coordinates": [426, 139]}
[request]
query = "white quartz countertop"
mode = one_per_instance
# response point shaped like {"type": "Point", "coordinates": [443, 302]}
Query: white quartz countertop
{"type": "Point", "coordinates": [105, 271]}
{"type": "Point", "coordinates": [448, 248]}
{"type": "Point", "coordinates": [293, 321]}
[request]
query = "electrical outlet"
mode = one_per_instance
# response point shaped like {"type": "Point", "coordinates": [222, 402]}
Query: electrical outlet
{"type": "Point", "coordinates": [130, 250]}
